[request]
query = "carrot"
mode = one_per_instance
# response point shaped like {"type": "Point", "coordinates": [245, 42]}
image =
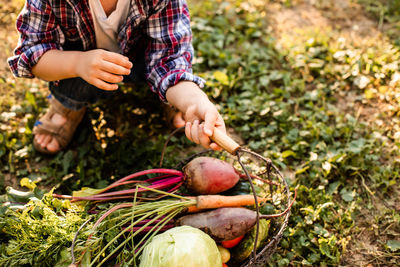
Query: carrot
{"type": "Point", "coordinates": [218, 201]}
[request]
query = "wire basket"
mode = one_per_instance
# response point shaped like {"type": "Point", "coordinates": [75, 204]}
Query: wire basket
{"type": "Point", "coordinates": [255, 165]}
{"type": "Point", "coordinates": [280, 222]}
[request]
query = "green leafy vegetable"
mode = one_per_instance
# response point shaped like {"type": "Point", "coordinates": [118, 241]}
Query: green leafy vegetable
{"type": "Point", "coordinates": [40, 233]}
{"type": "Point", "coordinates": [182, 246]}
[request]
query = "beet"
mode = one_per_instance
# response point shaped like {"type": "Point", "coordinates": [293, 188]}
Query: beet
{"type": "Point", "coordinates": [222, 224]}
{"type": "Point", "coordinates": [207, 176]}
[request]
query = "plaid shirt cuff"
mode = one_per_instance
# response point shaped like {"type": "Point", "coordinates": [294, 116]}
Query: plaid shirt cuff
{"type": "Point", "coordinates": [21, 64]}
{"type": "Point", "coordinates": [173, 77]}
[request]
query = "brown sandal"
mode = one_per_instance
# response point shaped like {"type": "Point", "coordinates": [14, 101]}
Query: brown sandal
{"type": "Point", "coordinates": [62, 133]}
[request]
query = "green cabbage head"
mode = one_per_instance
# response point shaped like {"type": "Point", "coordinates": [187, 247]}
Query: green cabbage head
{"type": "Point", "coordinates": [182, 246]}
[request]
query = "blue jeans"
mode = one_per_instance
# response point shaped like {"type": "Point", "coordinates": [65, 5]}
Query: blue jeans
{"type": "Point", "coordinates": [76, 93]}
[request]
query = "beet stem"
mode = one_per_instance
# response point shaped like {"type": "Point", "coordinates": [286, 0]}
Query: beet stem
{"type": "Point", "coordinates": [62, 196]}
{"type": "Point", "coordinates": [123, 205]}
{"type": "Point", "coordinates": [149, 228]}
{"type": "Point", "coordinates": [175, 188]}
{"type": "Point", "coordinates": [101, 199]}
{"type": "Point", "coordinates": [150, 180]}
{"type": "Point", "coordinates": [132, 182]}
{"type": "Point", "coordinates": [148, 220]}
{"type": "Point", "coordinates": [142, 173]}
{"type": "Point", "coordinates": [161, 185]}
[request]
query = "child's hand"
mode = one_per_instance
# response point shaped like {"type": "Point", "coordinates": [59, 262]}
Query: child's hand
{"type": "Point", "coordinates": [200, 116]}
{"type": "Point", "coordinates": [200, 122]}
{"type": "Point", "coordinates": [103, 69]}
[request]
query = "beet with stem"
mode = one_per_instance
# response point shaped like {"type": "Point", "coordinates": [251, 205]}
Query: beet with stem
{"type": "Point", "coordinates": [202, 176]}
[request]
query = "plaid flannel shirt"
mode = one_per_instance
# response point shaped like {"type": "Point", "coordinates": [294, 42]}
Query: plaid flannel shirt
{"type": "Point", "coordinates": [163, 24]}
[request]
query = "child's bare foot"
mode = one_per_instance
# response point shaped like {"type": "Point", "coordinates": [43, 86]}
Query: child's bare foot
{"type": "Point", "coordinates": [48, 141]}
{"type": "Point", "coordinates": [55, 129]}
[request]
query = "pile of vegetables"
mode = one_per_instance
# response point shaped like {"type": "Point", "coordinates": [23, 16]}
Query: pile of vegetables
{"type": "Point", "coordinates": [163, 220]}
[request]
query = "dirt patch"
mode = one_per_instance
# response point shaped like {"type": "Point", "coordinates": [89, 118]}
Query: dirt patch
{"type": "Point", "coordinates": [374, 228]}
{"type": "Point", "coordinates": [12, 90]}
{"type": "Point", "coordinates": [8, 33]}
{"type": "Point", "coordinates": [9, 180]}
{"type": "Point", "coordinates": [344, 16]}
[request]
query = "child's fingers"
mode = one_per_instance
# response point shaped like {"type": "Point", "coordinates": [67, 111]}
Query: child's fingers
{"type": "Point", "coordinates": [188, 134]}
{"type": "Point", "coordinates": [219, 123]}
{"type": "Point", "coordinates": [103, 85]}
{"type": "Point", "coordinates": [46, 140]}
{"type": "Point", "coordinates": [39, 138]}
{"type": "Point", "coordinates": [194, 131]}
{"type": "Point", "coordinates": [221, 126]}
{"type": "Point", "coordinates": [117, 59]}
{"type": "Point", "coordinates": [114, 68]}
{"type": "Point", "coordinates": [109, 77]}
{"type": "Point", "coordinates": [216, 147]}
{"type": "Point", "coordinates": [209, 122]}
{"type": "Point", "coordinates": [203, 138]}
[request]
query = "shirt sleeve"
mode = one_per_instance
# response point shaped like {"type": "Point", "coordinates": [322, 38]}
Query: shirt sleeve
{"type": "Point", "coordinates": [39, 33]}
{"type": "Point", "coordinates": [169, 52]}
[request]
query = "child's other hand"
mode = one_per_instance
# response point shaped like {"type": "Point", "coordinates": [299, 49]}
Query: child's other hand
{"type": "Point", "coordinates": [200, 122]}
{"type": "Point", "coordinates": [103, 69]}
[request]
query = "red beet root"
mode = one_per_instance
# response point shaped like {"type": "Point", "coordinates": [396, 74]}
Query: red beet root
{"type": "Point", "coordinates": [207, 176]}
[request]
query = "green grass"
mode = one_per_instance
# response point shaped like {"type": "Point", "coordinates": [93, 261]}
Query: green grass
{"type": "Point", "coordinates": [325, 110]}
{"type": "Point", "coordinates": [285, 105]}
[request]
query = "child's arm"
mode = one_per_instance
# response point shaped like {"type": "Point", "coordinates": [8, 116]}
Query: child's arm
{"type": "Point", "coordinates": [169, 70]}
{"type": "Point", "coordinates": [169, 51]}
{"type": "Point", "coordinates": [196, 108]}
{"type": "Point", "coordinates": [98, 67]}
{"type": "Point", "coordinates": [39, 52]}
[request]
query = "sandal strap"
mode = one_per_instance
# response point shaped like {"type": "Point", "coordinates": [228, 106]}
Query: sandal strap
{"type": "Point", "coordinates": [57, 107]}
{"type": "Point", "coordinates": [62, 133]}
{"type": "Point", "coordinates": [46, 127]}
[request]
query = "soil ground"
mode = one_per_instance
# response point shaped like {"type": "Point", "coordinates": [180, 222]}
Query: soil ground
{"type": "Point", "coordinates": [350, 21]}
